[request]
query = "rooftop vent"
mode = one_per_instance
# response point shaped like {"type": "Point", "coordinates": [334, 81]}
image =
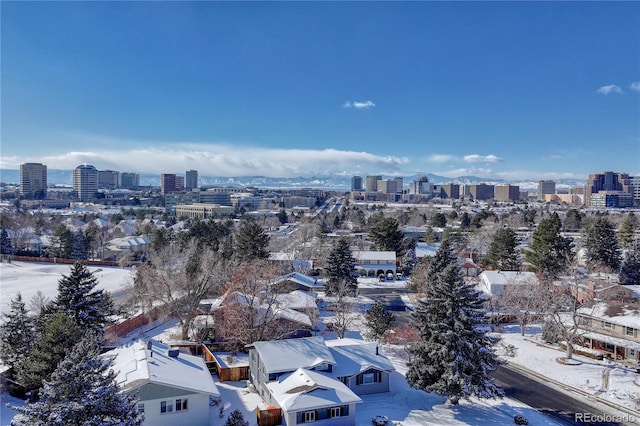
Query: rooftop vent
{"type": "Point", "coordinates": [174, 352]}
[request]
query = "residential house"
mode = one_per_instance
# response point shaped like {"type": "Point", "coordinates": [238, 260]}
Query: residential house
{"type": "Point", "coordinates": [296, 281]}
{"type": "Point", "coordinates": [497, 283]}
{"type": "Point", "coordinates": [173, 388]}
{"type": "Point", "coordinates": [310, 381]}
{"type": "Point", "coordinates": [270, 308]}
{"type": "Point", "coordinates": [360, 366]}
{"type": "Point", "coordinates": [306, 396]}
{"type": "Point", "coordinates": [376, 263]}
{"type": "Point", "coordinates": [611, 327]}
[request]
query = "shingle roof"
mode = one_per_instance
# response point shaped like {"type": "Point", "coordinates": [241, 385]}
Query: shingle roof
{"type": "Point", "coordinates": [136, 366]}
{"type": "Point", "coordinates": [303, 389]}
{"type": "Point", "coordinates": [287, 355]}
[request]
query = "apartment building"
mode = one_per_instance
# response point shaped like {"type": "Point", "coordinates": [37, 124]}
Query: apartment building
{"type": "Point", "coordinates": [85, 182]}
{"type": "Point", "coordinates": [546, 187]}
{"type": "Point", "coordinates": [506, 193]}
{"type": "Point", "coordinates": [33, 180]}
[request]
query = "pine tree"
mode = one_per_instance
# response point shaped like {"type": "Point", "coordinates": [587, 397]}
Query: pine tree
{"type": "Point", "coordinates": [386, 236]}
{"type": "Point", "coordinates": [454, 357]}
{"type": "Point", "coordinates": [502, 254]}
{"type": "Point", "coordinates": [251, 242]}
{"type": "Point", "coordinates": [79, 247]}
{"type": "Point", "coordinates": [444, 256]}
{"type": "Point", "coordinates": [572, 221]}
{"type": "Point", "coordinates": [17, 332]}
{"type": "Point", "coordinates": [626, 235]}
{"type": "Point", "coordinates": [601, 243]}
{"type": "Point", "coordinates": [6, 246]}
{"type": "Point", "coordinates": [378, 320]}
{"type": "Point", "coordinates": [236, 419]}
{"type": "Point", "coordinates": [341, 270]}
{"type": "Point", "coordinates": [548, 252]}
{"type": "Point", "coordinates": [630, 269]}
{"type": "Point", "coordinates": [58, 334]}
{"type": "Point", "coordinates": [77, 296]}
{"type": "Point", "coordinates": [62, 242]}
{"type": "Point", "coordinates": [465, 220]}
{"type": "Point", "coordinates": [82, 391]}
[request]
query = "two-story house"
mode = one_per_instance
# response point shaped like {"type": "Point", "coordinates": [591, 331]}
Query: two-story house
{"type": "Point", "coordinates": [310, 381]}
{"type": "Point", "coordinates": [611, 327]}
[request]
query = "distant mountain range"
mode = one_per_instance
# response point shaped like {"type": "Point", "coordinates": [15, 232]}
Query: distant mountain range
{"type": "Point", "coordinates": [329, 182]}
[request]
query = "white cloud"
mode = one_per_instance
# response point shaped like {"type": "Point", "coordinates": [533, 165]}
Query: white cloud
{"type": "Point", "coordinates": [358, 104]}
{"type": "Point", "coordinates": [635, 86]}
{"type": "Point", "coordinates": [475, 158]}
{"type": "Point", "coordinates": [612, 88]}
{"type": "Point", "coordinates": [554, 157]}
{"type": "Point", "coordinates": [215, 159]}
{"type": "Point", "coordinates": [441, 158]}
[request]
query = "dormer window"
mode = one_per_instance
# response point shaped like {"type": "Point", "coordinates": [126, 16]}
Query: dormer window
{"type": "Point", "coordinates": [323, 366]}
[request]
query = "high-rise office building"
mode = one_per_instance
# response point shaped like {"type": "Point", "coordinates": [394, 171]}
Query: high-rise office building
{"type": "Point", "coordinates": [421, 186]}
{"type": "Point", "coordinates": [634, 181]}
{"type": "Point", "coordinates": [606, 181]}
{"type": "Point", "coordinates": [167, 183]}
{"type": "Point", "coordinates": [129, 180]}
{"type": "Point", "coordinates": [481, 191]}
{"type": "Point", "coordinates": [191, 180]}
{"type": "Point", "coordinates": [372, 183]}
{"type": "Point", "coordinates": [85, 182]}
{"type": "Point", "coordinates": [356, 183]}
{"type": "Point", "coordinates": [387, 186]}
{"type": "Point", "coordinates": [33, 180]}
{"type": "Point", "coordinates": [506, 193]}
{"type": "Point", "coordinates": [450, 190]}
{"type": "Point", "coordinates": [546, 187]}
{"type": "Point", "coordinates": [108, 179]}
{"type": "Point", "coordinates": [179, 183]}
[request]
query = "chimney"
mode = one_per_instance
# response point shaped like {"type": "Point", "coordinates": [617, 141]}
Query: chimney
{"type": "Point", "coordinates": [149, 344]}
{"type": "Point", "coordinates": [377, 351]}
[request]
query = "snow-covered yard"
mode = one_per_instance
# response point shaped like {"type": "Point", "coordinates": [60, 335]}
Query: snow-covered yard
{"type": "Point", "coordinates": [28, 278]}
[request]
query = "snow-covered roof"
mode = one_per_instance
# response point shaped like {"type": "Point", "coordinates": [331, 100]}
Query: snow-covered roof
{"type": "Point", "coordinates": [617, 341]}
{"type": "Point", "coordinates": [356, 358]}
{"type": "Point", "coordinates": [128, 243]}
{"type": "Point", "coordinates": [301, 279]}
{"type": "Point", "coordinates": [422, 250]}
{"type": "Point", "coordinates": [289, 354]}
{"type": "Point", "coordinates": [297, 299]}
{"type": "Point", "coordinates": [508, 277]}
{"type": "Point", "coordinates": [228, 359]}
{"type": "Point", "coordinates": [629, 316]}
{"type": "Point", "coordinates": [386, 256]}
{"type": "Point", "coordinates": [303, 390]}
{"type": "Point", "coordinates": [136, 366]}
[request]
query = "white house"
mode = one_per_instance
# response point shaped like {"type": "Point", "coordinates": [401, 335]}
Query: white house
{"type": "Point", "coordinates": [173, 388]}
{"type": "Point", "coordinates": [497, 283]}
{"type": "Point", "coordinates": [376, 263]}
{"type": "Point", "coordinates": [309, 381]}
{"type": "Point", "coordinates": [306, 396]}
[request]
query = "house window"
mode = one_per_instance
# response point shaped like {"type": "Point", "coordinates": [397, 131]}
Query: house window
{"type": "Point", "coordinates": [322, 367]}
{"type": "Point", "coordinates": [631, 332]}
{"type": "Point", "coordinates": [181, 404]}
{"type": "Point", "coordinates": [368, 378]}
{"type": "Point", "coordinates": [141, 407]}
{"type": "Point", "coordinates": [344, 380]}
{"type": "Point", "coordinates": [606, 324]}
{"type": "Point", "coordinates": [309, 416]}
{"type": "Point", "coordinates": [166, 407]}
{"type": "Point", "coordinates": [335, 412]}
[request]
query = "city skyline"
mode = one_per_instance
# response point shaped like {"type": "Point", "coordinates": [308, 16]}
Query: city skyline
{"type": "Point", "coordinates": [495, 90]}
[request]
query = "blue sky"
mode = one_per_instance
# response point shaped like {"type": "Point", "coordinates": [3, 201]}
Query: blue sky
{"type": "Point", "coordinates": [512, 90]}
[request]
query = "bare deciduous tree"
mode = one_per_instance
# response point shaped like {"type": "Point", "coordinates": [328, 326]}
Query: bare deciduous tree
{"type": "Point", "coordinates": [251, 311]}
{"type": "Point", "coordinates": [179, 278]}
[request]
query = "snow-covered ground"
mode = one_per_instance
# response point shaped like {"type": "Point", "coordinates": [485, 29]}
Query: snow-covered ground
{"type": "Point", "coordinates": [30, 277]}
{"type": "Point", "coordinates": [402, 405]}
